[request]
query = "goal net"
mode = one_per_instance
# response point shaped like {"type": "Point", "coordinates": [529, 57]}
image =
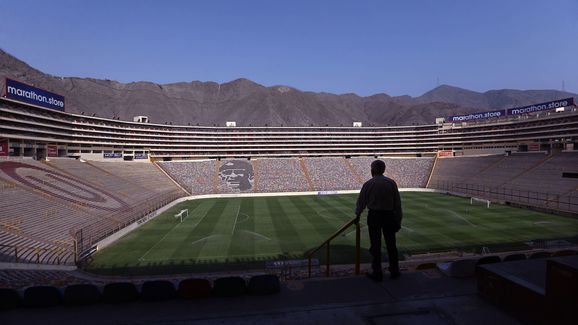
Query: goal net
{"type": "Point", "coordinates": [478, 201]}
{"type": "Point", "coordinates": [182, 214]}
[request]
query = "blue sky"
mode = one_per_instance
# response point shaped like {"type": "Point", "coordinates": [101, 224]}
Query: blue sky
{"type": "Point", "coordinates": [364, 47]}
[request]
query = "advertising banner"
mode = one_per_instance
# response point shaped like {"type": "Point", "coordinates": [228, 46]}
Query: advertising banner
{"type": "Point", "coordinates": [28, 94]}
{"type": "Point", "coordinates": [475, 116]}
{"type": "Point", "coordinates": [52, 151]}
{"type": "Point", "coordinates": [445, 153]}
{"type": "Point", "coordinates": [4, 148]}
{"type": "Point", "coordinates": [112, 155]}
{"type": "Point", "coordinates": [542, 106]}
{"type": "Point", "coordinates": [534, 147]}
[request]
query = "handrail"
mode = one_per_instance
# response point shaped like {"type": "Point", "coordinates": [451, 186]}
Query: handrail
{"type": "Point", "coordinates": [328, 242]}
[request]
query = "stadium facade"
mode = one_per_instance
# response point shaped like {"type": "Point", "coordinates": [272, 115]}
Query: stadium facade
{"type": "Point", "coordinates": [32, 131]}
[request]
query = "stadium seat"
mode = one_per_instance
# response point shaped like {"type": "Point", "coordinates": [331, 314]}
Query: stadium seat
{"type": "Point", "coordinates": [489, 260]}
{"type": "Point", "coordinates": [119, 292]}
{"type": "Point", "coordinates": [42, 296]}
{"type": "Point", "coordinates": [9, 299]}
{"type": "Point", "coordinates": [564, 252]}
{"type": "Point", "coordinates": [540, 255]}
{"type": "Point", "coordinates": [459, 268]}
{"type": "Point", "coordinates": [265, 284]}
{"type": "Point", "coordinates": [158, 290]}
{"type": "Point", "coordinates": [194, 288]}
{"type": "Point", "coordinates": [81, 294]}
{"type": "Point", "coordinates": [230, 287]}
{"type": "Point", "coordinates": [515, 257]}
{"type": "Point", "coordinates": [426, 266]}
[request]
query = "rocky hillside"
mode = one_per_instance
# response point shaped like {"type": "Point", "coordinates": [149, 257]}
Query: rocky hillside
{"type": "Point", "coordinates": [251, 104]}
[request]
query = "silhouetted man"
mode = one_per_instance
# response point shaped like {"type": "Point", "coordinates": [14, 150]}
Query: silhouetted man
{"type": "Point", "coordinates": [381, 197]}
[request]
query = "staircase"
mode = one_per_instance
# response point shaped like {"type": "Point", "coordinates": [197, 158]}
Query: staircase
{"type": "Point", "coordinates": [306, 173]}
{"type": "Point", "coordinates": [353, 172]}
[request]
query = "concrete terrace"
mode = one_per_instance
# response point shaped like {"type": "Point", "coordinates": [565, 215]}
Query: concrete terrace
{"type": "Point", "coordinates": [420, 297]}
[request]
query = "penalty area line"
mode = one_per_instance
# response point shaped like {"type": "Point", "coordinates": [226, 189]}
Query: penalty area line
{"type": "Point", "coordinates": [457, 215]}
{"type": "Point", "coordinates": [142, 258]}
{"type": "Point", "coordinates": [236, 218]}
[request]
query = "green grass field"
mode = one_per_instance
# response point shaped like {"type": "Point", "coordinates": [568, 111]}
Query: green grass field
{"type": "Point", "coordinates": [248, 231]}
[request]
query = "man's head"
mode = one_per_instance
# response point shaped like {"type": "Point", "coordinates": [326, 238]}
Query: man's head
{"type": "Point", "coordinates": [377, 167]}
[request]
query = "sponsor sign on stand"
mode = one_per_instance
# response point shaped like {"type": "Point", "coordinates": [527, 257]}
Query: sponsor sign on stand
{"type": "Point", "coordinates": [445, 153]}
{"type": "Point", "coordinates": [542, 106]}
{"type": "Point", "coordinates": [533, 147]}
{"type": "Point", "coordinates": [52, 151]}
{"type": "Point", "coordinates": [31, 95]}
{"type": "Point", "coordinates": [4, 148]}
{"type": "Point", "coordinates": [112, 155]}
{"type": "Point", "coordinates": [475, 116]}
{"type": "Point", "coordinates": [552, 105]}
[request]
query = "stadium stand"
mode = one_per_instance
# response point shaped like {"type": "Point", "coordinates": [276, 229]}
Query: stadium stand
{"type": "Point", "coordinates": [280, 175]}
{"type": "Point", "coordinates": [194, 289]}
{"type": "Point", "coordinates": [42, 296]}
{"type": "Point", "coordinates": [63, 206]}
{"type": "Point", "coordinates": [50, 202]}
{"type": "Point", "coordinates": [331, 174]}
{"type": "Point", "coordinates": [512, 178]}
{"type": "Point", "coordinates": [195, 176]}
{"type": "Point", "coordinates": [81, 294]}
{"type": "Point", "coordinates": [407, 172]}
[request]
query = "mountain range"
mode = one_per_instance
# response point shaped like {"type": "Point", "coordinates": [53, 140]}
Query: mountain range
{"type": "Point", "coordinates": [251, 104]}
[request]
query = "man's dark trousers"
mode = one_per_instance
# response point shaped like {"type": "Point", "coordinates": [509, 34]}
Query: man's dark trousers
{"type": "Point", "coordinates": [379, 222]}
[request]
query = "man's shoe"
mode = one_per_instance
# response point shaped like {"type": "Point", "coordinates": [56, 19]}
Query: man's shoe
{"type": "Point", "coordinates": [375, 277]}
{"type": "Point", "coordinates": [395, 275]}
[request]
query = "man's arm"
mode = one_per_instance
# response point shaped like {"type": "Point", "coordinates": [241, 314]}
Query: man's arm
{"type": "Point", "coordinates": [397, 206]}
{"type": "Point", "coordinates": [361, 203]}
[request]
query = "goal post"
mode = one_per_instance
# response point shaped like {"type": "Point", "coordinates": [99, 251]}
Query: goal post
{"type": "Point", "coordinates": [479, 201]}
{"type": "Point", "coordinates": [182, 214]}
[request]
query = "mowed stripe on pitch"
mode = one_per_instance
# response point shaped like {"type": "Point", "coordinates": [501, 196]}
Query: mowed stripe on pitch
{"type": "Point", "coordinates": [199, 233]}
{"type": "Point", "coordinates": [284, 228]}
{"type": "Point", "coordinates": [266, 227]}
{"type": "Point", "coordinates": [217, 242]}
{"type": "Point", "coordinates": [176, 236]}
{"type": "Point", "coordinates": [244, 237]}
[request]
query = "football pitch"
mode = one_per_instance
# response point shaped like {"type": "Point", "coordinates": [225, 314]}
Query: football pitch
{"type": "Point", "coordinates": [251, 230]}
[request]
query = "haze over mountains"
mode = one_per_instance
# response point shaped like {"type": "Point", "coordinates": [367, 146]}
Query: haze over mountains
{"type": "Point", "coordinates": [251, 104]}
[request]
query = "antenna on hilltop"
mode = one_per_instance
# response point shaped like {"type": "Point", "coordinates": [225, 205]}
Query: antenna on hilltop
{"type": "Point", "coordinates": [563, 85]}
{"type": "Point", "coordinates": [437, 81]}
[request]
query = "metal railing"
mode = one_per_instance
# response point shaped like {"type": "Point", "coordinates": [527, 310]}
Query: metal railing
{"type": "Point", "coordinates": [563, 203]}
{"type": "Point", "coordinates": [327, 243]}
{"type": "Point", "coordinates": [87, 236]}
{"type": "Point", "coordinates": [38, 255]}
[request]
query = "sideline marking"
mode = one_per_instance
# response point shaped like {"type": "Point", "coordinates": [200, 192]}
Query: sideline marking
{"type": "Point", "coordinates": [407, 228]}
{"type": "Point", "coordinates": [229, 257]}
{"type": "Point", "coordinates": [543, 223]}
{"type": "Point", "coordinates": [457, 215]}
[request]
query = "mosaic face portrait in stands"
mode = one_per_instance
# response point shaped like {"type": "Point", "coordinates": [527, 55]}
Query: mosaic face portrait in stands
{"type": "Point", "coordinates": [237, 175]}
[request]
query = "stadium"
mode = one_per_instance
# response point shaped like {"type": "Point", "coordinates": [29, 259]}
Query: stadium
{"type": "Point", "coordinates": [93, 207]}
{"type": "Point", "coordinates": [135, 198]}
